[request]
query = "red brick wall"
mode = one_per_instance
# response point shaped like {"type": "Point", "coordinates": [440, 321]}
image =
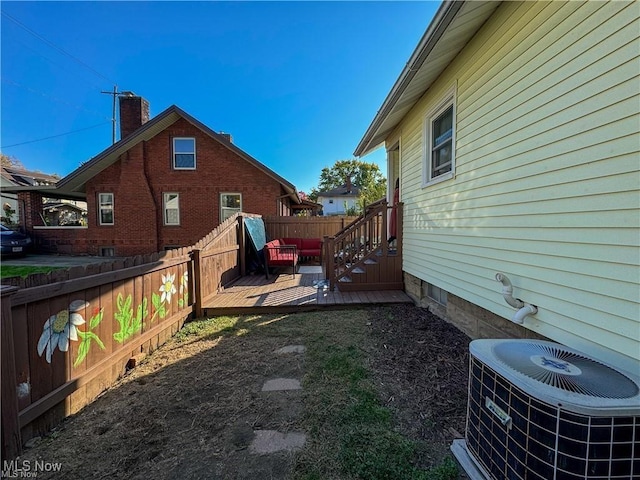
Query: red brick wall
{"type": "Point", "coordinates": [31, 203]}
{"type": "Point", "coordinates": [64, 240]}
{"type": "Point", "coordinates": [134, 112]}
{"type": "Point", "coordinates": [139, 179]}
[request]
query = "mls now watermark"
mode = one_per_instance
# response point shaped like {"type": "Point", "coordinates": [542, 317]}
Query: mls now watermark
{"type": "Point", "coordinates": [28, 468]}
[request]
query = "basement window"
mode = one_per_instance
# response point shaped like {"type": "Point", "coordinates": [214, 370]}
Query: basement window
{"type": "Point", "coordinates": [437, 294]}
{"type": "Point", "coordinates": [184, 153]}
{"type": "Point", "coordinates": [107, 252]}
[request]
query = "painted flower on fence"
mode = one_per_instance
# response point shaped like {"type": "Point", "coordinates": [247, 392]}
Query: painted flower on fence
{"type": "Point", "coordinates": [88, 336]}
{"type": "Point", "coordinates": [63, 326]}
{"type": "Point", "coordinates": [130, 324]}
{"type": "Point", "coordinates": [167, 288]}
{"type": "Point", "coordinates": [184, 290]}
{"type": "Point", "coordinates": [60, 328]}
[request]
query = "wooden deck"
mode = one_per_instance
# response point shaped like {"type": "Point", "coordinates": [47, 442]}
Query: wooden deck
{"type": "Point", "coordinates": [283, 293]}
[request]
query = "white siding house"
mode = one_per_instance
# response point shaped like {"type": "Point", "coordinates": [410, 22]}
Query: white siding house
{"type": "Point", "coordinates": [535, 174]}
{"type": "Point", "coordinates": [340, 200]}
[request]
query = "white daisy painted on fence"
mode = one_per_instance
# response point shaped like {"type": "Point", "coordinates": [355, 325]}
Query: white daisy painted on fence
{"type": "Point", "coordinates": [184, 282]}
{"type": "Point", "coordinates": [167, 288]}
{"type": "Point", "coordinates": [60, 328]}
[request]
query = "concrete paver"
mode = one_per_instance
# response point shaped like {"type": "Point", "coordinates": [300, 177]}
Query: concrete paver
{"type": "Point", "coordinates": [291, 349]}
{"type": "Point", "coordinates": [271, 441]}
{"type": "Point", "coordinates": [278, 384]}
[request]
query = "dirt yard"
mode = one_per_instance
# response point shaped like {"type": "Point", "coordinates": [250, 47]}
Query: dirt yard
{"type": "Point", "coordinates": [190, 410]}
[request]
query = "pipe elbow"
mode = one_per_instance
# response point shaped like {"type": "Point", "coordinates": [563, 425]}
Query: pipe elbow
{"type": "Point", "coordinates": [507, 291]}
{"type": "Point", "coordinates": [524, 312]}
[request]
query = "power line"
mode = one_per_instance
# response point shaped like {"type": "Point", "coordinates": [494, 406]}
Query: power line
{"type": "Point", "coordinates": [55, 136]}
{"type": "Point", "coordinates": [52, 98]}
{"type": "Point", "coordinates": [52, 45]}
{"type": "Point", "coordinates": [52, 62]}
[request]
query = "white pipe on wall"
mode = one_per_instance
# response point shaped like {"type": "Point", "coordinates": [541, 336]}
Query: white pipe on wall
{"type": "Point", "coordinates": [507, 291]}
{"type": "Point", "coordinates": [524, 309]}
{"type": "Point", "coordinates": [521, 314]}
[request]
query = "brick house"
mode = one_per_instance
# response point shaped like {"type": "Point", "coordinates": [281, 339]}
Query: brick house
{"type": "Point", "coordinates": [167, 183]}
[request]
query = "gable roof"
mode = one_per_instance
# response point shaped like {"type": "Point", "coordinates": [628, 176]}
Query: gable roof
{"type": "Point", "coordinates": [342, 191]}
{"type": "Point", "coordinates": [74, 184]}
{"type": "Point", "coordinates": [453, 25]}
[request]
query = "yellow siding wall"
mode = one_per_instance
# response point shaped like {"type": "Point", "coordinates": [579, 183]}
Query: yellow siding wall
{"type": "Point", "coordinates": [547, 179]}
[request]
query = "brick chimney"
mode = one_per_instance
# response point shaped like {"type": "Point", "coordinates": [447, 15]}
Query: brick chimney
{"type": "Point", "coordinates": [134, 112]}
{"type": "Point", "coordinates": [348, 185]}
{"type": "Point", "coordinates": [227, 136]}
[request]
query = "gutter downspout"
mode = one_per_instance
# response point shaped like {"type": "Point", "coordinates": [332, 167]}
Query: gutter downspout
{"type": "Point", "coordinates": [524, 309]}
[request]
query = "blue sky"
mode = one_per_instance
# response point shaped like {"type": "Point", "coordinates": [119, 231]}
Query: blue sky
{"type": "Point", "coordinates": [295, 83]}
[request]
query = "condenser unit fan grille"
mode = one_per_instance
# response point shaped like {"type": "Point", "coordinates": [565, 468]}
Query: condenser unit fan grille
{"type": "Point", "coordinates": [563, 369]}
{"type": "Point", "coordinates": [514, 436]}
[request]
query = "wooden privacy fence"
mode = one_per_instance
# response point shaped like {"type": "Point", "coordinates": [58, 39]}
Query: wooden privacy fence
{"type": "Point", "coordinates": [219, 259]}
{"type": "Point", "coordinates": [69, 335]}
{"type": "Point", "coordinates": [64, 343]}
{"type": "Point", "coordinates": [304, 227]}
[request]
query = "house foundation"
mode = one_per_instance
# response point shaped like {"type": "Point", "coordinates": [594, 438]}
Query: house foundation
{"type": "Point", "coordinates": [473, 320]}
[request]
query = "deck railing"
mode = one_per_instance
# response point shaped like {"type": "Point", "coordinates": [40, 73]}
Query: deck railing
{"type": "Point", "coordinates": [364, 240]}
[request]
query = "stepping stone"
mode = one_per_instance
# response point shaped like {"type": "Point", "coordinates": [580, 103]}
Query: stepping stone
{"type": "Point", "coordinates": [271, 441]}
{"type": "Point", "coordinates": [291, 349]}
{"type": "Point", "coordinates": [278, 384]}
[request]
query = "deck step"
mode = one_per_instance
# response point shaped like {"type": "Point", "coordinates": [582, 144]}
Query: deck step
{"type": "Point", "coordinates": [370, 261]}
{"type": "Point", "coordinates": [390, 252]}
{"type": "Point", "coordinates": [345, 279]}
{"type": "Point", "coordinates": [358, 270]}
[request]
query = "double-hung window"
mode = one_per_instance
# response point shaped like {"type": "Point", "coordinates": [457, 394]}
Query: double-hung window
{"type": "Point", "coordinates": [184, 153]}
{"type": "Point", "coordinates": [439, 134]}
{"type": "Point", "coordinates": [230, 203]}
{"type": "Point", "coordinates": [105, 208]}
{"type": "Point", "coordinates": [171, 208]}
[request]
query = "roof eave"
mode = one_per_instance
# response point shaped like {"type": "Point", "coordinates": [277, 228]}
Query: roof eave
{"type": "Point", "coordinates": [441, 24]}
{"type": "Point", "coordinates": [441, 20]}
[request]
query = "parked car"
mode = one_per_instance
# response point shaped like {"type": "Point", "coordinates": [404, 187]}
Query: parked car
{"type": "Point", "coordinates": [13, 243]}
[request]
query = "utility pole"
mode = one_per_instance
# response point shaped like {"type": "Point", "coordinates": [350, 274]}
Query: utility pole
{"type": "Point", "coordinates": [115, 93]}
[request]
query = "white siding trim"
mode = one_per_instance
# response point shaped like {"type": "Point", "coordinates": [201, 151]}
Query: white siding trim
{"type": "Point", "coordinates": [448, 100]}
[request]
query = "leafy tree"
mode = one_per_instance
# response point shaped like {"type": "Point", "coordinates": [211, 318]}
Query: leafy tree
{"type": "Point", "coordinates": [366, 176]}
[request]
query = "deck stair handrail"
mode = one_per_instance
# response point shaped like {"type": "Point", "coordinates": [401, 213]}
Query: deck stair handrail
{"type": "Point", "coordinates": [360, 241]}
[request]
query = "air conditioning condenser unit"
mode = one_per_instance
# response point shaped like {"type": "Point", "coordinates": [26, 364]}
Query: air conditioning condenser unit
{"type": "Point", "coordinates": [538, 410]}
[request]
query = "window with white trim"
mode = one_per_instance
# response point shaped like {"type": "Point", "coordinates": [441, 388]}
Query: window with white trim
{"type": "Point", "coordinates": [171, 208]}
{"type": "Point", "coordinates": [439, 144]}
{"type": "Point", "coordinates": [230, 203]}
{"type": "Point", "coordinates": [105, 208]}
{"type": "Point", "coordinates": [184, 153]}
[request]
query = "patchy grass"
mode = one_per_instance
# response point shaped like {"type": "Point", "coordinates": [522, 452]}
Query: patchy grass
{"type": "Point", "coordinates": [370, 406]}
{"type": "Point", "coordinates": [353, 434]}
{"type": "Point", "coordinates": [7, 271]}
